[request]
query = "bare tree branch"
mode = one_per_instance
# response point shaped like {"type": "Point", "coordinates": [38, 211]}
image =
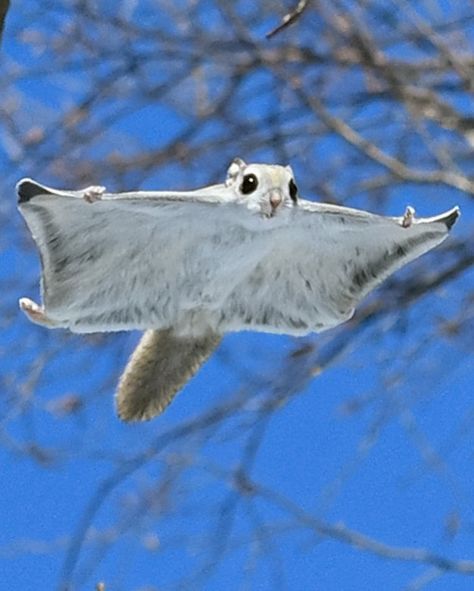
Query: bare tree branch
{"type": "Point", "coordinates": [289, 18]}
{"type": "Point", "coordinates": [4, 6]}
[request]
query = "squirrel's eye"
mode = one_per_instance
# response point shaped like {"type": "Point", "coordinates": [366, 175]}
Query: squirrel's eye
{"type": "Point", "coordinates": [249, 184]}
{"type": "Point", "coordinates": [293, 189]}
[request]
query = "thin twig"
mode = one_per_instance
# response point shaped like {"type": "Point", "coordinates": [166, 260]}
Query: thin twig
{"type": "Point", "coordinates": [4, 6]}
{"type": "Point", "coordinates": [289, 18]}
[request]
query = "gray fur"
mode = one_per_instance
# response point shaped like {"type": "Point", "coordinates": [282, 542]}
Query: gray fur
{"type": "Point", "coordinates": [206, 262]}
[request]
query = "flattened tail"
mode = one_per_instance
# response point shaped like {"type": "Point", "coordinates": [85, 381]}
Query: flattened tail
{"type": "Point", "coordinates": [27, 189]}
{"type": "Point", "coordinates": [160, 366]}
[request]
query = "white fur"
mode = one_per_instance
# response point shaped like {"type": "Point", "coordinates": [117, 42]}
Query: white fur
{"type": "Point", "coordinates": [214, 259]}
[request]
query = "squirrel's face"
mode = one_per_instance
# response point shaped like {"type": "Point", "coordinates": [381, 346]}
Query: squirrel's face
{"type": "Point", "coordinates": [262, 187]}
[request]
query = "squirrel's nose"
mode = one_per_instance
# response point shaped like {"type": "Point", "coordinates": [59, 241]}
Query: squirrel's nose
{"type": "Point", "coordinates": [275, 199]}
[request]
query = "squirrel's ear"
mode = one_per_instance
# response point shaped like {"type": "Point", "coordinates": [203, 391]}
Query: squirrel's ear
{"type": "Point", "coordinates": [236, 166]}
{"type": "Point", "coordinates": [239, 162]}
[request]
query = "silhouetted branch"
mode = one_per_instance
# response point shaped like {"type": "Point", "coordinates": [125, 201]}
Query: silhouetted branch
{"type": "Point", "coordinates": [4, 6]}
{"type": "Point", "coordinates": [289, 18]}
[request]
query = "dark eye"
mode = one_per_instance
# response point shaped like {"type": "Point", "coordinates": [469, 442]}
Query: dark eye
{"type": "Point", "coordinates": [293, 190]}
{"type": "Point", "coordinates": [249, 184]}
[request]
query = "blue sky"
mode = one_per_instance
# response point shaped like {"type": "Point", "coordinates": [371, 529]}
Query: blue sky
{"type": "Point", "coordinates": [380, 441]}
